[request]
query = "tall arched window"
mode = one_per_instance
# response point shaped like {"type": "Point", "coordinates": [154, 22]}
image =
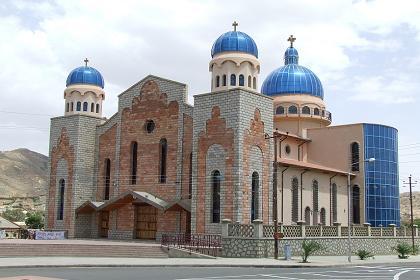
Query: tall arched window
{"type": "Point", "coordinates": [163, 154]}
{"type": "Point", "coordinates": [323, 217]}
{"type": "Point", "coordinates": [215, 188]}
{"type": "Point", "coordinates": [78, 106]}
{"type": "Point", "coordinates": [241, 80]}
{"type": "Point", "coordinates": [316, 111]}
{"type": "Point", "coordinates": [293, 110]}
{"type": "Point", "coordinates": [60, 210]}
{"type": "Point", "coordinates": [255, 199]}
{"type": "Point", "coordinates": [92, 107]}
{"type": "Point", "coordinates": [356, 204]}
{"type": "Point", "coordinates": [233, 80]}
{"type": "Point", "coordinates": [355, 156]}
{"type": "Point", "coordinates": [249, 81]}
{"type": "Point", "coordinates": [280, 110]}
{"type": "Point", "coordinates": [306, 110]}
{"type": "Point", "coordinates": [224, 80]}
{"type": "Point", "coordinates": [71, 106]}
{"type": "Point", "coordinates": [217, 81]}
{"type": "Point", "coordinates": [133, 163]}
{"type": "Point", "coordinates": [107, 178]}
{"type": "Point", "coordinates": [97, 108]}
{"type": "Point", "coordinates": [295, 200]}
{"type": "Point", "coordinates": [315, 200]}
{"type": "Point", "coordinates": [334, 202]}
{"type": "Point", "coordinates": [308, 216]}
{"type": "Point", "coordinates": [67, 107]}
{"type": "Point", "coordinates": [254, 83]}
{"type": "Point", "coordinates": [85, 106]}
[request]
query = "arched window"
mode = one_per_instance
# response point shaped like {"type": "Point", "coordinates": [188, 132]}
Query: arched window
{"type": "Point", "coordinates": [315, 200]}
{"type": "Point", "coordinates": [280, 110]}
{"type": "Point", "coordinates": [85, 106]}
{"type": "Point", "coordinates": [190, 178]}
{"type": "Point", "coordinates": [78, 106]}
{"type": "Point", "coordinates": [163, 154]}
{"type": "Point", "coordinates": [249, 81]}
{"type": "Point", "coordinates": [295, 200]}
{"type": "Point", "coordinates": [217, 81]}
{"type": "Point", "coordinates": [334, 202]}
{"type": "Point", "coordinates": [255, 191]}
{"type": "Point", "coordinates": [224, 80]}
{"type": "Point", "coordinates": [233, 80]}
{"type": "Point", "coordinates": [133, 163]}
{"type": "Point", "coordinates": [60, 210]}
{"type": "Point", "coordinates": [316, 111]}
{"type": "Point", "coordinates": [308, 216]}
{"type": "Point", "coordinates": [254, 84]}
{"type": "Point", "coordinates": [355, 156]}
{"type": "Point", "coordinates": [293, 109]}
{"type": "Point", "coordinates": [71, 106]}
{"type": "Point", "coordinates": [323, 217]}
{"type": "Point", "coordinates": [241, 80]}
{"type": "Point", "coordinates": [356, 204]}
{"type": "Point", "coordinates": [97, 108]}
{"type": "Point", "coordinates": [107, 178]}
{"type": "Point", "coordinates": [92, 107]}
{"type": "Point", "coordinates": [67, 107]}
{"type": "Point", "coordinates": [215, 188]}
{"type": "Point", "coordinates": [306, 110]}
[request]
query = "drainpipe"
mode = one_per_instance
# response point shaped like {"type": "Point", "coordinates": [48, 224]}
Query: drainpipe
{"type": "Point", "coordinates": [301, 193]}
{"type": "Point", "coordinates": [331, 198]}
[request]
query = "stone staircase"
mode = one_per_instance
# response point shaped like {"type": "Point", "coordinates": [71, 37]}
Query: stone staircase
{"type": "Point", "coordinates": [79, 248]}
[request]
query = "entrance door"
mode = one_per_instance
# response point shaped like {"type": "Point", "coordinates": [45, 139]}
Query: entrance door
{"type": "Point", "coordinates": [104, 224]}
{"type": "Point", "coordinates": [146, 222]}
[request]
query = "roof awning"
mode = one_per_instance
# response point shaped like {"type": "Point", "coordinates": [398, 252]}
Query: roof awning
{"type": "Point", "coordinates": [88, 207]}
{"type": "Point", "coordinates": [131, 196]}
{"type": "Point", "coordinates": [180, 205]}
{"type": "Point", "coordinates": [312, 166]}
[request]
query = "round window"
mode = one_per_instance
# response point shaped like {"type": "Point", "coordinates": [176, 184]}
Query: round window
{"type": "Point", "coordinates": [150, 126]}
{"type": "Point", "coordinates": [287, 149]}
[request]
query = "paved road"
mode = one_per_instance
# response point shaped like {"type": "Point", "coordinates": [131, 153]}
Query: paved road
{"type": "Point", "coordinates": [374, 272]}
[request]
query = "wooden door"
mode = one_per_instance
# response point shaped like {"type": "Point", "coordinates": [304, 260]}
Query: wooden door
{"type": "Point", "coordinates": [104, 224]}
{"type": "Point", "coordinates": [146, 222]}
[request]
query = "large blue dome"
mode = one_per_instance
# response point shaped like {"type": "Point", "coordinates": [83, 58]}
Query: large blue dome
{"type": "Point", "coordinates": [292, 78]}
{"type": "Point", "coordinates": [85, 75]}
{"type": "Point", "coordinates": [235, 41]}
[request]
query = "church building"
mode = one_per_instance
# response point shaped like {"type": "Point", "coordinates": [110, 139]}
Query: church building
{"type": "Point", "coordinates": [242, 152]}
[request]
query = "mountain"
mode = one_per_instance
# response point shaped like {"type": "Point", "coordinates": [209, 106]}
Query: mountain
{"type": "Point", "coordinates": [405, 206]}
{"type": "Point", "coordinates": [23, 179]}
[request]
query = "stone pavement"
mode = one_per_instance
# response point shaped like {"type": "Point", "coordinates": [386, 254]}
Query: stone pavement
{"type": "Point", "coordinates": [316, 261]}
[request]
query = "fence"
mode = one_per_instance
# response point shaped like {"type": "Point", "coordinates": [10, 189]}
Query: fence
{"type": "Point", "coordinates": [258, 230]}
{"type": "Point", "coordinates": [208, 244]}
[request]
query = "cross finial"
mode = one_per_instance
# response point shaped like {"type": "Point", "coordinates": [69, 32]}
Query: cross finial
{"type": "Point", "coordinates": [291, 40]}
{"type": "Point", "coordinates": [235, 24]}
{"type": "Point", "coordinates": [86, 61]}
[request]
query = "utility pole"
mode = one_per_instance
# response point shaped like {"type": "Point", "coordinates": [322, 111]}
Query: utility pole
{"type": "Point", "coordinates": [411, 184]}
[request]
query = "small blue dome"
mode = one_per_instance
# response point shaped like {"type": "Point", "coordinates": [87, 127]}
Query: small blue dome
{"type": "Point", "coordinates": [235, 41]}
{"type": "Point", "coordinates": [292, 78]}
{"type": "Point", "coordinates": [85, 75]}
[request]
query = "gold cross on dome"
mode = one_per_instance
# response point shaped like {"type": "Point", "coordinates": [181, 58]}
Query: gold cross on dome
{"type": "Point", "coordinates": [291, 40]}
{"type": "Point", "coordinates": [235, 24]}
{"type": "Point", "coordinates": [86, 61]}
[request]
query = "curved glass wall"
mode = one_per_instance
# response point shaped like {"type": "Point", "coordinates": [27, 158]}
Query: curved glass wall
{"type": "Point", "coordinates": [381, 176]}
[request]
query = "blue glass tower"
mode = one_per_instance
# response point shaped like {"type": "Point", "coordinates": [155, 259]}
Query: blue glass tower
{"type": "Point", "coordinates": [381, 176]}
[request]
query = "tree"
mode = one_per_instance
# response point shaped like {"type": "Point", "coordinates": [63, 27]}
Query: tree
{"type": "Point", "coordinates": [35, 220]}
{"type": "Point", "coordinates": [14, 215]}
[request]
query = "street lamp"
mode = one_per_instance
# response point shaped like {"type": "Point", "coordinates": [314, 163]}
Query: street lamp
{"type": "Point", "coordinates": [348, 206]}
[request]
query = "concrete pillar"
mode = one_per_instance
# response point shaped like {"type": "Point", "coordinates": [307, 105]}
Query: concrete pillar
{"type": "Point", "coordinates": [416, 230]}
{"type": "Point", "coordinates": [381, 230]}
{"type": "Point", "coordinates": [394, 229]}
{"type": "Point", "coordinates": [338, 225]}
{"type": "Point", "coordinates": [225, 227]}
{"type": "Point", "coordinates": [302, 228]}
{"type": "Point", "coordinates": [258, 228]}
{"type": "Point", "coordinates": [369, 229]}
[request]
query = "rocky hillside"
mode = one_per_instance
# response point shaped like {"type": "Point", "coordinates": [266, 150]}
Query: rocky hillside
{"type": "Point", "coordinates": [405, 206]}
{"type": "Point", "coordinates": [23, 179]}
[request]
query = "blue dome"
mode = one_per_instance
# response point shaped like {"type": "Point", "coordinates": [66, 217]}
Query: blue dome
{"type": "Point", "coordinates": [235, 41]}
{"type": "Point", "coordinates": [85, 75]}
{"type": "Point", "coordinates": [292, 78]}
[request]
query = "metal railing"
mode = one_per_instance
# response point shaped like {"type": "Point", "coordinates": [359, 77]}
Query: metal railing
{"type": "Point", "coordinates": [207, 244]}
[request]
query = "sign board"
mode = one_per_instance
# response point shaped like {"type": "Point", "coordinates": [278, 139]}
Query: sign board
{"type": "Point", "coordinates": [49, 235]}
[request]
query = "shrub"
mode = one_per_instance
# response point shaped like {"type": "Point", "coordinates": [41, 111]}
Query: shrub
{"type": "Point", "coordinates": [364, 254]}
{"type": "Point", "coordinates": [403, 249]}
{"type": "Point", "coordinates": [309, 248]}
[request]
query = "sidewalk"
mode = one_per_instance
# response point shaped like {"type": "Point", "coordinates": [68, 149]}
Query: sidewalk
{"type": "Point", "coordinates": [316, 261]}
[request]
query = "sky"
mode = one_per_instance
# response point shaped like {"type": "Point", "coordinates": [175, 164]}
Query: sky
{"type": "Point", "coordinates": [365, 52]}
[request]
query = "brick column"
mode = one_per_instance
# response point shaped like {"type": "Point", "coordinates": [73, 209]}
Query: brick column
{"type": "Point", "coordinates": [225, 227]}
{"type": "Point", "coordinates": [258, 228]}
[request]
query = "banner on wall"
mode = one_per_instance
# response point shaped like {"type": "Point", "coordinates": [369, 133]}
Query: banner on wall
{"type": "Point", "coordinates": [49, 235]}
